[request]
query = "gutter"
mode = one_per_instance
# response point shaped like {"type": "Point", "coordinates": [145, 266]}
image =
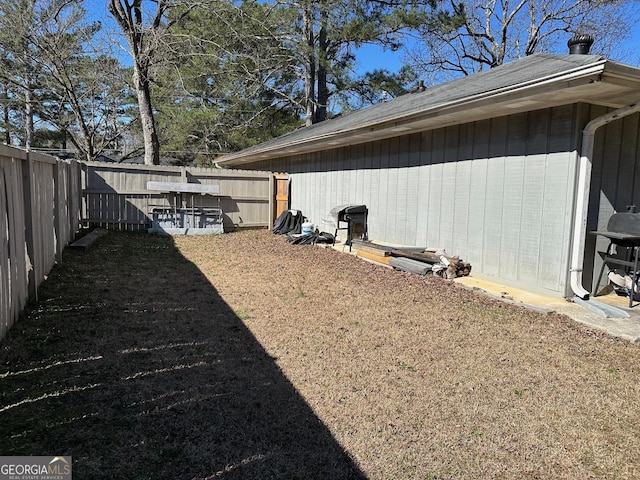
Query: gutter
{"type": "Point", "coordinates": [582, 194]}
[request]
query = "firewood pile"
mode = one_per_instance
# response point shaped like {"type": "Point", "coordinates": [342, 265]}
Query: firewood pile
{"type": "Point", "coordinates": [413, 259]}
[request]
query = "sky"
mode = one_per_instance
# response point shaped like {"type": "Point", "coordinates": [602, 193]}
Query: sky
{"type": "Point", "coordinates": [371, 57]}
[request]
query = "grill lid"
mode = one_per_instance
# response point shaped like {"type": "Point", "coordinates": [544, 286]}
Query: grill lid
{"type": "Point", "coordinates": [627, 223]}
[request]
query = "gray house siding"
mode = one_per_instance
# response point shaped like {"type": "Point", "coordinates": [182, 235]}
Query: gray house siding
{"type": "Point", "coordinates": [499, 192]}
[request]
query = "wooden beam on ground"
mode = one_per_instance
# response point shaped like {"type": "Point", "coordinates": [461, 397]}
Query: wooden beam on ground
{"type": "Point", "coordinates": [372, 250]}
{"type": "Point", "coordinates": [383, 259]}
{"type": "Point", "coordinates": [88, 240]}
{"type": "Point", "coordinates": [371, 247]}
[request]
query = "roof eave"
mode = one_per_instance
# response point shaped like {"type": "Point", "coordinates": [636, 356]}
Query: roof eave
{"type": "Point", "coordinates": [563, 88]}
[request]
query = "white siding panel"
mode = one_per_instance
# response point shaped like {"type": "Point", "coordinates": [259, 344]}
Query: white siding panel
{"type": "Point", "coordinates": [493, 233]}
{"type": "Point", "coordinates": [554, 222]}
{"type": "Point", "coordinates": [404, 219]}
{"type": "Point", "coordinates": [434, 212]}
{"type": "Point", "coordinates": [402, 222]}
{"type": "Point", "coordinates": [477, 213]}
{"type": "Point", "coordinates": [347, 165]}
{"type": "Point", "coordinates": [413, 190]}
{"type": "Point", "coordinates": [358, 162]}
{"type": "Point", "coordinates": [463, 191]}
{"type": "Point", "coordinates": [512, 205]}
{"type": "Point", "coordinates": [396, 204]}
{"type": "Point", "coordinates": [375, 221]}
{"type": "Point", "coordinates": [449, 182]}
{"type": "Point", "coordinates": [532, 195]}
{"type": "Point", "coordinates": [447, 205]}
{"type": "Point", "coordinates": [412, 193]}
{"type": "Point", "coordinates": [385, 203]}
{"type": "Point", "coordinates": [422, 214]}
{"type": "Point", "coordinates": [530, 227]}
{"type": "Point", "coordinates": [493, 216]}
{"type": "Point", "coordinates": [459, 242]}
{"type": "Point", "coordinates": [478, 195]}
{"type": "Point", "coordinates": [511, 217]}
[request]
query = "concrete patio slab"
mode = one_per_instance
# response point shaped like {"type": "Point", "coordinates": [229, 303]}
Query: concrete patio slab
{"type": "Point", "coordinates": [627, 328]}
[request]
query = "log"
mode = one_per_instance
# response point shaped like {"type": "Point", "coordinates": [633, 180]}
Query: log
{"type": "Point", "coordinates": [455, 267]}
{"type": "Point", "coordinates": [422, 256]}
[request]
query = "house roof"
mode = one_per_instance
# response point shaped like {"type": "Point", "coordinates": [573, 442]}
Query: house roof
{"type": "Point", "coordinates": [534, 82]}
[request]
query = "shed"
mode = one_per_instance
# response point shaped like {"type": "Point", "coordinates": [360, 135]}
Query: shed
{"type": "Point", "coordinates": [509, 168]}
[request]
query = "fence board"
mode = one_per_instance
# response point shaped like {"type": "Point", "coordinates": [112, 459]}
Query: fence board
{"type": "Point", "coordinates": [5, 279]}
{"type": "Point", "coordinates": [39, 214]}
{"type": "Point", "coordinates": [13, 255]}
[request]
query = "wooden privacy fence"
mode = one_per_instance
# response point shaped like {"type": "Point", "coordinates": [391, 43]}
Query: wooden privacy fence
{"type": "Point", "coordinates": [116, 195]}
{"type": "Point", "coordinates": [45, 200]}
{"type": "Point", "coordinates": [40, 198]}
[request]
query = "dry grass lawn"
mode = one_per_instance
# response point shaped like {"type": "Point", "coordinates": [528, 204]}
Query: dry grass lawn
{"type": "Point", "coordinates": [240, 356]}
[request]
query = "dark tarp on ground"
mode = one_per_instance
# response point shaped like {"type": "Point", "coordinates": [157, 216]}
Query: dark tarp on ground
{"type": "Point", "coordinates": [289, 221]}
{"type": "Point", "coordinates": [311, 238]}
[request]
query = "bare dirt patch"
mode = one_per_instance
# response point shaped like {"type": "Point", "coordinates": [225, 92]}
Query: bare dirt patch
{"type": "Point", "coordinates": [241, 356]}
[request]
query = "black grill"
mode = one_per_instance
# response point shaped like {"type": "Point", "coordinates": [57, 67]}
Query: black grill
{"type": "Point", "coordinates": [355, 218]}
{"type": "Point", "coordinates": [623, 230]}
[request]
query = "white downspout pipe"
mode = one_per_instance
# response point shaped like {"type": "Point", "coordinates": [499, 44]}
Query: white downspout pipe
{"type": "Point", "coordinates": [582, 194]}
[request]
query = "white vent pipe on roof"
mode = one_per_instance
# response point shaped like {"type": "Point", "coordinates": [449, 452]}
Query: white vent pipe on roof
{"type": "Point", "coordinates": [582, 194]}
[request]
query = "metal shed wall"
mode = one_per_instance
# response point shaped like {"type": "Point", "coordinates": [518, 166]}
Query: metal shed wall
{"type": "Point", "coordinates": [615, 181]}
{"type": "Point", "coordinates": [498, 193]}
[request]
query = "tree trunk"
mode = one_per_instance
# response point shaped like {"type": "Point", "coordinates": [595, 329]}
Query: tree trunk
{"type": "Point", "coordinates": [7, 133]}
{"type": "Point", "coordinates": [149, 132]}
{"type": "Point", "coordinates": [309, 64]}
{"type": "Point", "coordinates": [323, 91]}
{"type": "Point", "coordinates": [28, 112]}
{"type": "Point", "coordinates": [129, 16]}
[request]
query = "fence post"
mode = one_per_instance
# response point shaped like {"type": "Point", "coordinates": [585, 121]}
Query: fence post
{"type": "Point", "coordinates": [282, 192]}
{"type": "Point", "coordinates": [84, 184]}
{"type": "Point", "coordinates": [57, 207]}
{"type": "Point", "coordinates": [75, 192]}
{"type": "Point", "coordinates": [272, 210]}
{"type": "Point", "coordinates": [27, 173]}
